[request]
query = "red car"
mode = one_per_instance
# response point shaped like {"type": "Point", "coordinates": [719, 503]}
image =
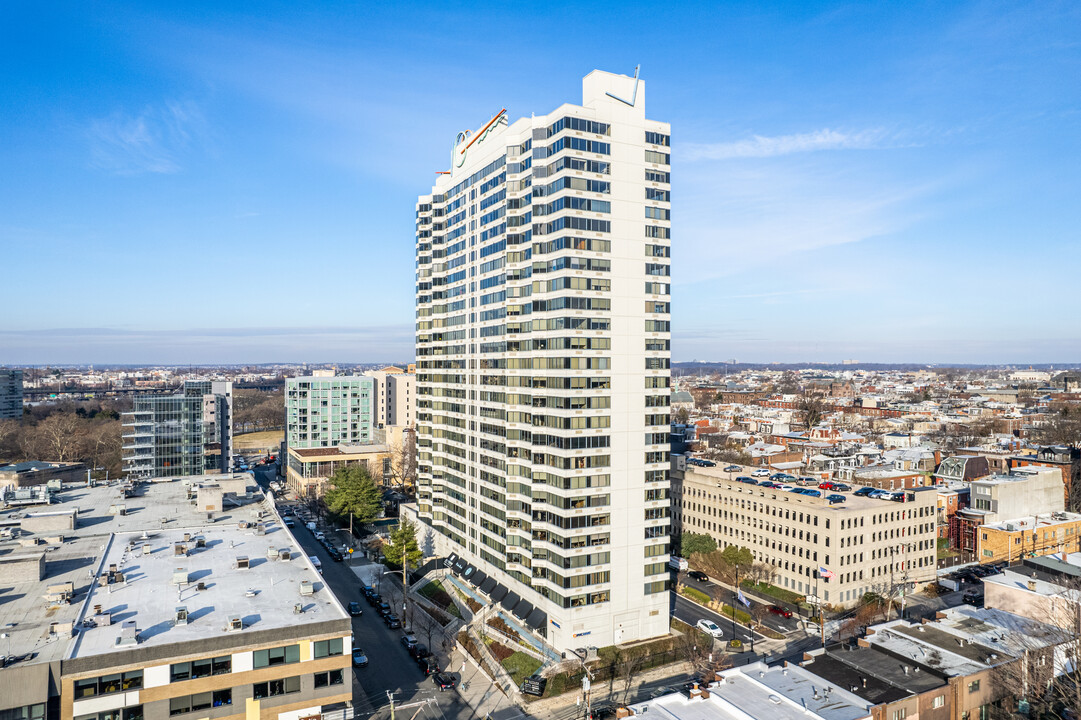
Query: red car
{"type": "Point", "coordinates": [825, 485]}
{"type": "Point", "coordinates": [778, 610]}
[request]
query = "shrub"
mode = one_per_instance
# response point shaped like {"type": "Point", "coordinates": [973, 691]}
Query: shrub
{"type": "Point", "coordinates": [499, 624]}
{"type": "Point", "coordinates": [500, 651]}
{"type": "Point", "coordinates": [696, 595]}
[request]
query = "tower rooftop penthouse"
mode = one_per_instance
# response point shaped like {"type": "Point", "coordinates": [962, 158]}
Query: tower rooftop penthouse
{"type": "Point", "coordinates": [543, 305]}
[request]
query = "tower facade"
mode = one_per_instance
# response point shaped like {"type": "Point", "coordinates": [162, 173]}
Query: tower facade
{"type": "Point", "coordinates": [543, 304]}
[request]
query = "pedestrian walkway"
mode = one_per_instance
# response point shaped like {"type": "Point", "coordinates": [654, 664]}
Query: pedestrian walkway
{"type": "Point", "coordinates": [479, 691]}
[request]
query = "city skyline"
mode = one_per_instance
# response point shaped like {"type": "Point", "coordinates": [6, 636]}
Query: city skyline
{"type": "Point", "coordinates": [852, 182]}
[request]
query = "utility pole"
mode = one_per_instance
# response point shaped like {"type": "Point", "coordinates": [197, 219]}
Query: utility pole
{"type": "Point", "coordinates": [390, 696]}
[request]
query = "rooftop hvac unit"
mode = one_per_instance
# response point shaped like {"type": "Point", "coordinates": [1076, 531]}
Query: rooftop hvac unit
{"type": "Point", "coordinates": [180, 576]}
{"type": "Point", "coordinates": [271, 553]}
{"type": "Point", "coordinates": [201, 585]}
{"type": "Point", "coordinates": [235, 624]}
{"type": "Point", "coordinates": [298, 609]}
{"type": "Point", "coordinates": [187, 537]}
{"type": "Point", "coordinates": [146, 549]}
{"type": "Point", "coordinates": [284, 554]}
{"type": "Point", "coordinates": [200, 542]}
{"type": "Point", "coordinates": [260, 529]}
{"type": "Point", "coordinates": [129, 634]}
{"type": "Point", "coordinates": [181, 616]}
{"type": "Point", "coordinates": [241, 562]}
{"type": "Point", "coordinates": [180, 549]}
{"type": "Point", "coordinates": [306, 587]}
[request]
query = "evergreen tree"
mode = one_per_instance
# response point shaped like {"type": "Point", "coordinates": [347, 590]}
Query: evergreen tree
{"type": "Point", "coordinates": [402, 547]}
{"type": "Point", "coordinates": [353, 491]}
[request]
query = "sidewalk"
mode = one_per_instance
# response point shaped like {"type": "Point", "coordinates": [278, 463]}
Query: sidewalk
{"type": "Point", "coordinates": [566, 705]}
{"type": "Point", "coordinates": [478, 691]}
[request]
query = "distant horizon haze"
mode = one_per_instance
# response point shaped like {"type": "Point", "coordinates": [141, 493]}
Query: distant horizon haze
{"type": "Point", "coordinates": [214, 182]}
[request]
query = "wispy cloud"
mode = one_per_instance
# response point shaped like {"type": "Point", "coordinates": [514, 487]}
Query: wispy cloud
{"type": "Point", "coordinates": [153, 141]}
{"type": "Point", "coordinates": [759, 146]}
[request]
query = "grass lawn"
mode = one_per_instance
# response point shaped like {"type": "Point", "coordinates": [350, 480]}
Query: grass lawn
{"type": "Point", "coordinates": [696, 595]}
{"type": "Point", "coordinates": [435, 592]}
{"type": "Point", "coordinates": [258, 440]}
{"type": "Point", "coordinates": [774, 591]}
{"type": "Point", "coordinates": [520, 666]}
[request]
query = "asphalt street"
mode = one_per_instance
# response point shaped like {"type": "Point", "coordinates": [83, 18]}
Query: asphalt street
{"type": "Point", "coordinates": [770, 620]}
{"type": "Point", "coordinates": [691, 613]}
{"type": "Point", "coordinates": [390, 668]}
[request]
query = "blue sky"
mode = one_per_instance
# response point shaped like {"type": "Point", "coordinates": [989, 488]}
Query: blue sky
{"type": "Point", "coordinates": [226, 182]}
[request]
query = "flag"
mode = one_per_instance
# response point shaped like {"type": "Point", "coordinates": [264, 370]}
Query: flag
{"type": "Point", "coordinates": [742, 598]}
{"type": "Point", "coordinates": [824, 573]}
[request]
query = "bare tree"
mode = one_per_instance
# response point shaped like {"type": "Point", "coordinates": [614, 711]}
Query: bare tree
{"type": "Point", "coordinates": [9, 437]}
{"type": "Point", "coordinates": [426, 627]}
{"type": "Point", "coordinates": [57, 437]}
{"type": "Point", "coordinates": [812, 408]}
{"type": "Point", "coordinates": [1062, 428]}
{"type": "Point", "coordinates": [628, 666]}
{"type": "Point", "coordinates": [403, 459]}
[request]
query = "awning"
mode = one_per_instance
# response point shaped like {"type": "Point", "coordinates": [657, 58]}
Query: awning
{"type": "Point", "coordinates": [510, 601]}
{"type": "Point", "coordinates": [468, 572]}
{"type": "Point", "coordinates": [522, 611]}
{"type": "Point", "coordinates": [459, 566]}
{"type": "Point", "coordinates": [497, 593]}
{"type": "Point", "coordinates": [477, 578]}
{"type": "Point", "coordinates": [537, 619]}
{"type": "Point", "coordinates": [449, 562]}
{"type": "Point", "coordinates": [487, 585]}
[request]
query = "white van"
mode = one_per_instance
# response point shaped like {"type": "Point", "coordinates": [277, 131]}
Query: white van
{"type": "Point", "coordinates": [318, 565]}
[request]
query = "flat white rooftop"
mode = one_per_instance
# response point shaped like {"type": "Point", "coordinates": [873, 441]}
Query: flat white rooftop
{"type": "Point", "coordinates": [217, 588]}
{"type": "Point", "coordinates": [758, 692]}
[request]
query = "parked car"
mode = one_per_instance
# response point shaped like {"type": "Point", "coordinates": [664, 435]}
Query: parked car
{"type": "Point", "coordinates": [420, 651]}
{"type": "Point", "coordinates": [811, 491]}
{"type": "Point", "coordinates": [392, 621]}
{"type": "Point", "coordinates": [384, 609]}
{"type": "Point", "coordinates": [359, 658]}
{"type": "Point", "coordinates": [733, 468]}
{"type": "Point", "coordinates": [710, 627]}
{"type": "Point", "coordinates": [375, 599]}
{"type": "Point", "coordinates": [335, 555]}
{"type": "Point", "coordinates": [354, 609]}
{"type": "Point", "coordinates": [778, 610]}
{"type": "Point", "coordinates": [825, 485]}
{"type": "Point", "coordinates": [428, 665]}
{"type": "Point", "coordinates": [835, 498]}
{"type": "Point", "coordinates": [864, 491]}
{"type": "Point", "coordinates": [879, 495]}
{"type": "Point", "coordinates": [444, 681]}
{"type": "Point", "coordinates": [409, 640]}
{"type": "Point", "coordinates": [760, 472]}
{"type": "Point", "coordinates": [841, 487]}
{"type": "Point", "coordinates": [698, 575]}
{"type": "Point", "coordinates": [971, 598]}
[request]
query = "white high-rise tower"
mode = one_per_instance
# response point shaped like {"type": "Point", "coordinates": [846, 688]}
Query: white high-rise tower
{"type": "Point", "coordinates": [543, 365]}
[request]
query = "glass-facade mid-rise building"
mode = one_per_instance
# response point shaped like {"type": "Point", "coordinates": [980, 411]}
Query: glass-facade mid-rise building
{"type": "Point", "coordinates": [543, 357]}
{"type": "Point", "coordinates": [189, 433]}
{"type": "Point", "coordinates": [329, 411]}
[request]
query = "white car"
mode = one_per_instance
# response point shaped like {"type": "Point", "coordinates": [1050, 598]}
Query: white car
{"type": "Point", "coordinates": [760, 472]}
{"type": "Point", "coordinates": [710, 627]}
